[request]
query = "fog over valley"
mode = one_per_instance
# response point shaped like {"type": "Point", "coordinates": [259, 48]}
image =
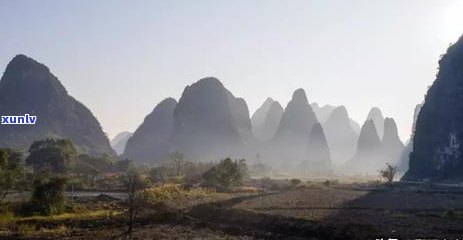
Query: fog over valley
{"type": "Point", "coordinates": [208, 123]}
{"type": "Point", "coordinates": [231, 119]}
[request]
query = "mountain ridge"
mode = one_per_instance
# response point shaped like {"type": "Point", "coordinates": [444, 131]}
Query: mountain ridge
{"type": "Point", "coordinates": [28, 86]}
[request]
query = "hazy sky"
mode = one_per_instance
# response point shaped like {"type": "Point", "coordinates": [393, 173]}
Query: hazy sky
{"type": "Point", "coordinates": [120, 58]}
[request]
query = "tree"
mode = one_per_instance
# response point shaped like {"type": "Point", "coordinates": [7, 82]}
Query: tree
{"type": "Point", "coordinates": [12, 173]}
{"type": "Point", "coordinates": [388, 174]}
{"type": "Point", "coordinates": [54, 155]}
{"type": "Point", "coordinates": [226, 174]}
{"type": "Point", "coordinates": [48, 196]}
{"type": "Point", "coordinates": [134, 184]}
{"type": "Point", "coordinates": [177, 160]}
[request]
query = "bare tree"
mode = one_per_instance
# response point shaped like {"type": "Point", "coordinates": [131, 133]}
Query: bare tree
{"type": "Point", "coordinates": [388, 174]}
{"type": "Point", "coordinates": [131, 186]}
{"type": "Point", "coordinates": [134, 184]}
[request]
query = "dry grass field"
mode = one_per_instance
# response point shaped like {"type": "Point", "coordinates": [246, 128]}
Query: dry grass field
{"type": "Point", "coordinates": [307, 211]}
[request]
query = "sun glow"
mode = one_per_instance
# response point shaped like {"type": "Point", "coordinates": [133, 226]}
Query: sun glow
{"type": "Point", "coordinates": [452, 21]}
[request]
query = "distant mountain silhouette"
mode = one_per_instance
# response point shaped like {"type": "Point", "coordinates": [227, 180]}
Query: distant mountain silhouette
{"type": "Point", "coordinates": [149, 143]}
{"type": "Point", "coordinates": [404, 158]}
{"type": "Point", "coordinates": [378, 119]}
{"type": "Point", "coordinates": [258, 118]}
{"type": "Point", "coordinates": [298, 118]}
{"type": "Point", "coordinates": [366, 158]}
{"type": "Point", "coordinates": [391, 145]}
{"type": "Point", "coordinates": [322, 113]}
{"type": "Point", "coordinates": [272, 121]}
{"type": "Point", "coordinates": [291, 139]}
{"type": "Point", "coordinates": [319, 159]}
{"type": "Point", "coordinates": [437, 151]}
{"type": "Point", "coordinates": [209, 123]}
{"type": "Point", "coordinates": [372, 153]}
{"type": "Point", "coordinates": [368, 140]}
{"type": "Point", "coordinates": [119, 141]}
{"type": "Point", "coordinates": [242, 122]}
{"type": "Point", "coordinates": [355, 126]}
{"type": "Point", "coordinates": [266, 120]}
{"type": "Point", "coordinates": [28, 87]}
{"type": "Point", "coordinates": [342, 138]}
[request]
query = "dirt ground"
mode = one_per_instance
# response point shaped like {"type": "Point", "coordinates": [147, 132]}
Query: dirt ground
{"type": "Point", "coordinates": [405, 212]}
{"type": "Point", "coordinates": [310, 211]}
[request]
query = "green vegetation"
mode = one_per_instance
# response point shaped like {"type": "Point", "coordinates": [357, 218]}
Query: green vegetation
{"type": "Point", "coordinates": [47, 198]}
{"type": "Point", "coordinates": [178, 170]}
{"type": "Point", "coordinates": [12, 173]}
{"type": "Point", "coordinates": [226, 174]}
{"type": "Point", "coordinates": [53, 166]}
{"type": "Point", "coordinates": [53, 155]}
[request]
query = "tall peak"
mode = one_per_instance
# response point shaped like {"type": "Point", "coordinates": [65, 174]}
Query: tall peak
{"type": "Point", "coordinates": [209, 81]}
{"type": "Point", "coordinates": [342, 138]}
{"type": "Point", "coordinates": [390, 129]}
{"type": "Point", "coordinates": [276, 105]}
{"type": "Point", "coordinates": [21, 58]}
{"type": "Point", "coordinates": [378, 119]}
{"type": "Point", "coordinates": [28, 86]}
{"type": "Point", "coordinates": [30, 79]}
{"type": "Point", "coordinates": [368, 139]}
{"type": "Point", "coordinates": [436, 152]}
{"type": "Point", "coordinates": [319, 152]}
{"type": "Point", "coordinates": [21, 63]}
{"type": "Point", "coordinates": [374, 112]}
{"type": "Point", "coordinates": [268, 101]}
{"type": "Point", "coordinates": [259, 116]}
{"type": "Point", "coordinates": [340, 112]}
{"type": "Point", "coordinates": [299, 96]}
{"type": "Point", "coordinates": [166, 104]}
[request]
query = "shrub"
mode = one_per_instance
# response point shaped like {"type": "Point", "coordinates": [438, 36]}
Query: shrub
{"type": "Point", "coordinates": [226, 174]}
{"type": "Point", "coordinates": [327, 183]}
{"type": "Point", "coordinates": [295, 182]}
{"type": "Point", "coordinates": [12, 172]}
{"type": "Point", "coordinates": [47, 198]}
{"type": "Point", "coordinates": [167, 192]}
{"type": "Point", "coordinates": [388, 174]}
